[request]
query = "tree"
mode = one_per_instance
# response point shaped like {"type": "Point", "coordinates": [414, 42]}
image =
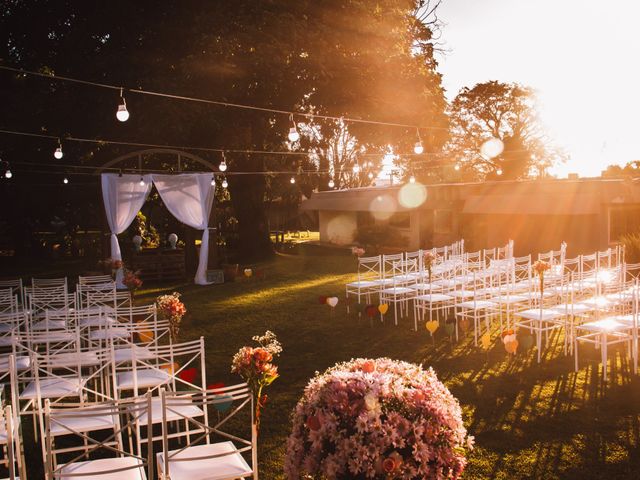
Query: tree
{"type": "Point", "coordinates": [506, 112]}
{"type": "Point", "coordinates": [629, 170]}
{"type": "Point", "coordinates": [339, 57]}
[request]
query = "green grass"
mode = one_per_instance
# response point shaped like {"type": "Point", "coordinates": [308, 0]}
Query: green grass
{"type": "Point", "coordinates": [530, 421]}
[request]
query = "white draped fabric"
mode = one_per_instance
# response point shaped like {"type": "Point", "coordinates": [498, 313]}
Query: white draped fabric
{"type": "Point", "coordinates": [123, 198]}
{"type": "Point", "coordinates": [189, 197]}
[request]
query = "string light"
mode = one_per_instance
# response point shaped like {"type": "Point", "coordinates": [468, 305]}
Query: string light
{"type": "Point", "coordinates": [141, 182]}
{"type": "Point", "coordinates": [418, 148]}
{"type": "Point", "coordinates": [292, 180]}
{"type": "Point", "coordinates": [499, 171]}
{"type": "Point", "coordinates": [294, 136]}
{"type": "Point", "coordinates": [213, 181]}
{"type": "Point", "coordinates": [356, 168]}
{"type": "Point", "coordinates": [122, 114]}
{"type": "Point", "coordinates": [8, 174]}
{"type": "Point", "coordinates": [58, 153]}
{"type": "Point", "coordinates": [225, 184]}
{"type": "Point", "coordinates": [331, 183]}
{"type": "Point", "coordinates": [412, 179]}
{"type": "Point", "coordinates": [65, 180]}
{"type": "Point", "coordinates": [223, 164]}
{"type": "Point", "coordinates": [370, 175]}
{"type": "Point", "coordinates": [457, 166]}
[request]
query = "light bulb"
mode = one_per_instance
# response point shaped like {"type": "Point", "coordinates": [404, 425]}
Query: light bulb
{"type": "Point", "coordinates": [58, 153]}
{"type": "Point", "coordinates": [356, 168]}
{"type": "Point", "coordinates": [65, 180]}
{"type": "Point", "coordinates": [293, 180]}
{"type": "Point", "coordinates": [370, 175]}
{"type": "Point", "coordinates": [225, 184]}
{"type": "Point", "coordinates": [418, 149]}
{"type": "Point", "coordinates": [8, 174]}
{"type": "Point", "coordinates": [122, 114]}
{"type": "Point", "coordinates": [499, 171]}
{"type": "Point", "coordinates": [331, 183]}
{"type": "Point", "coordinates": [370, 164]}
{"type": "Point", "coordinates": [213, 181]}
{"type": "Point", "coordinates": [457, 166]}
{"type": "Point", "coordinates": [412, 179]}
{"type": "Point", "coordinates": [141, 183]}
{"type": "Point", "coordinates": [223, 166]}
{"type": "Point", "coordinates": [294, 136]}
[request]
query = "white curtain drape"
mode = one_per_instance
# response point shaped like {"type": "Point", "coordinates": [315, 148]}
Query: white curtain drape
{"type": "Point", "coordinates": [123, 198]}
{"type": "Point", "coordinates": [189, 197]}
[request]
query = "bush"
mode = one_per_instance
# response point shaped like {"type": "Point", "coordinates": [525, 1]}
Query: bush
{"type": "Point", "coordinates": [378, 236]}
{"type": "Point", "coordinates": [631, 242]}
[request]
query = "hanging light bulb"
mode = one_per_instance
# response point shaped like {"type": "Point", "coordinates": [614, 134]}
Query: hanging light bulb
{"type": "Point", "coordinates": [370, 175]}
{"type": "Point", "coordinates": [418, 148]}
{"type": "Point", "coordinates": [331, 183]}
{"type": "Point", "coordinates": [8, 174]}
{"type": "Point", "coordinates": [122, 114]}
{"type": "Point", "coordinates": [141, 182]}
{"type": "Point", "coordinates": [58, 153]}
{"type": "Point", "coordinates": [294, 136]}
{"type": "Point", "coordinates": [223, 164]}
{"type": "Point", "coordinates": [499, 171]}
{"type": "Point", "coordinates": [457, 166]}
{"type": "Point", "coordinates": [292, 180]}
{"type": "Point", "coordinates": [65, 180]}
{"type": "Point", "coordinates": [213, 181]}
{"type": "Point", "coordinates": [224, 184]}
{"type": "Point", "coordinates": [412, 179]}
{"type": "Point", "coordinates": [356, 168]}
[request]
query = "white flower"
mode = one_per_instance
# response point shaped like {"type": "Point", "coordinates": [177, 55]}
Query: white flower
{"type": "Point", "coordinates": [371, 402]}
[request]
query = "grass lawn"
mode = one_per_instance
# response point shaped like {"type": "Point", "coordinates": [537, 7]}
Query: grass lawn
{"type": "Point", "coordinates": [530, 421]}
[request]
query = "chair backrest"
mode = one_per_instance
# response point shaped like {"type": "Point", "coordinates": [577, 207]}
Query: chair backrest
{"type": "Point", "coordinates": [49, 282]}
{"type": "Point", "coordinates": [236, 401]}
{"type": "Point", "coordinates": [88, 455]}
{"type": "Point", "coordinates": [391, 265]}
{"type": "Point", "coordinates": [369, 268]}
{"type": "Point", "coordinates": [15, 285]}
{"type": "Point", "coordinates": [14, 460]}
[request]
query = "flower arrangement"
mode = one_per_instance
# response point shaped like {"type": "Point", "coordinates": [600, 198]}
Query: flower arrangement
{"type": "Point", "coordinates": [171, 308]}
{"type": "Point", "coordinates": [254, 365]}
{"type": "Point", "coordinates": [357, 251]}
{"type": "Point", "coordinates": [111, 264]}
{"type": "Point", "coordinates": [429, 259]}
{"type": "Point", "coordinates": [539, 267]}
{"type": "Point", "coordinates": [132, 280]}
{"type": "Point", "coordinates": [378, 419]}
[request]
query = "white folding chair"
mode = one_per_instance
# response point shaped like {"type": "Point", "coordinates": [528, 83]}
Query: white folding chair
{"type": "Point", "coordinates": [203, 456]}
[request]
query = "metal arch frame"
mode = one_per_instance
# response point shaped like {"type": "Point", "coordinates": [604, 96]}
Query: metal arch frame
{"type": "Point", "coordinates": [162, 151]}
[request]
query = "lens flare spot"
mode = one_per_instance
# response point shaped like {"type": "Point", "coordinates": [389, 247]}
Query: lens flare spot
{"type": "Point", "coordinates": [412, 195]}
{"type": "Point", "coordinates": [492, 148]}
{"type": "Point", "coordinates": [382, 207]}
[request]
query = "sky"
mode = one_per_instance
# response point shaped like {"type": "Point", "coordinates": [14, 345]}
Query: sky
{"type": "Point", "coordinates": [581, 56]}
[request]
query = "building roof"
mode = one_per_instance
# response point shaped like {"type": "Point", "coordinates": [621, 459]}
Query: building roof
{"type": "Point", "coordinates": [550, 197]}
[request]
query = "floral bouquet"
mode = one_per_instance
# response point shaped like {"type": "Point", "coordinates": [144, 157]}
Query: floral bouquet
{"type": "Point", "coordinates": [254, 365]}
{"type": "Point", "coordinates": [132, 280]}
{"type": "Point", "coordinates": [429, 259]}
{"type": "Point", "coordinates": [539, 267]}
{"type": "Point", "coordinates": [379, 419]}
{"type": "Point", "coordinates": [171, 308]}
{"type": "Point", "coordinates": [357, 251]}
{"type": "Point", "coordinates": [111, 264]}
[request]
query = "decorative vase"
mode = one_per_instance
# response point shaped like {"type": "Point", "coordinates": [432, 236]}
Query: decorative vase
{"type": "Point", "coordinates": [173, 240]}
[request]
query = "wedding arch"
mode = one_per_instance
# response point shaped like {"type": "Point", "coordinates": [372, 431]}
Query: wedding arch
{"type": "Point", "coordinates": [187, 196]}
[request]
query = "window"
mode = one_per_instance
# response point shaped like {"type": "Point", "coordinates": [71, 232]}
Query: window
{"type": "Point", "coordinates": [623, 220]}
{"type": "Point", "coordinates": [400, 220]}
{"type": "Point", "coordinates": [443, 222]}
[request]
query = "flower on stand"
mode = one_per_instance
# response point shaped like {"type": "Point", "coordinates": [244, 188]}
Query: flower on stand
{"type": "Point", "coordinates": [357, 251]}
{"type": "Point", "coordinates": [132, 280]}
{"type": "Point", "coordinates": [254, 365]}
{"type": "Point", "coordinates": [113, 265]}
{"type": "Point", "coordinates": [171, 308]}
{"type": "Point", "coordinates": [539, 267]}
{"type": "Point", "coordinates": [379, 419]}
{"type": "Point", "coordinates": [429, 260]}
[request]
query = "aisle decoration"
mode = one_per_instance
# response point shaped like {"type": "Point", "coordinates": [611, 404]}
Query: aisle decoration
{"type": "Point", "coordinates": [132, 280]}
{"type": "Point", "coordinates": [171, 308]}
{"type": "Point", "coordinates": [378, 419]}
{"type": "Point", "coordinates": [429, 258]}
{"type": "Point", "coordinates": [254, 365]}
{"type": "Point", "coordinates": [539, 267]}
